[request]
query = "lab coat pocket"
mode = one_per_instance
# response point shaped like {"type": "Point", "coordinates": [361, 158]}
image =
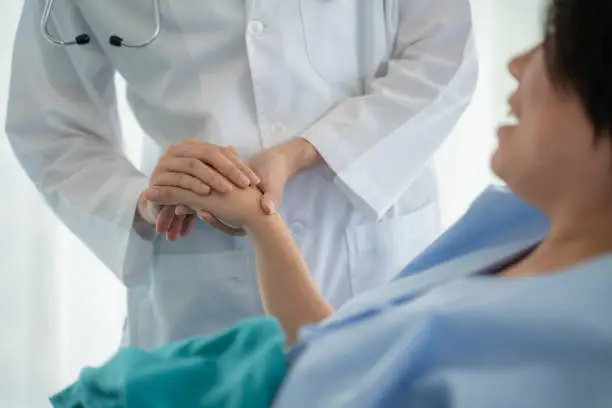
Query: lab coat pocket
{"type": "Point", "coordinates": [344, 39]}
{"type": "Point", "coordinates": [378, 251]}
{"type": "Point", "coordinates": [202, 294]}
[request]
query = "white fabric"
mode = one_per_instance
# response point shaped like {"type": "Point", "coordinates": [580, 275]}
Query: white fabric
{"type": "Point", "coordinates": [64, 310]}
{"type": "Point", "coordinates": [376, 86]}
{"type": "Point", "coordinates": [236, 75]}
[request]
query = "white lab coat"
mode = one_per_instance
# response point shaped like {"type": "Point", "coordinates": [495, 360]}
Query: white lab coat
{"type": "Point", "coordinates": [375, 85]}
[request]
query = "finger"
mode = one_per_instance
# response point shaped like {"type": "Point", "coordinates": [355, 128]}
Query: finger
{"type": "Point", "coordinates": [195, 168]}
{"type": "Point", "coordinates": [192, 168]}
{"type": "Point", "coordinates": [164, 219]}
{"type": "Point", "coordinates": [214, 157]}
{"type": "Point", "coordinates": [175, 228]}
{"type": "Point", "coordinates": [167, 195]}
{"type": "Point", "coordinates": [215, 223]}
{"type": "Point", "coordinates": [182, 210]}
{"type": "Point", "coordinates": [188, 225]}
{"type": "Point", "coordinates": [182, 180]}
{"type": "Point", "coordinates": [232, 154]}
{"type": "Point", "coordinates": [271, 193]}
{"type": "Point", "coordinates": [267, 204]}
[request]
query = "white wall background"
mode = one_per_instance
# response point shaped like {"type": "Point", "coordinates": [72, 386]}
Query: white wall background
{"type": "Point", "coordinates": [61, 310]}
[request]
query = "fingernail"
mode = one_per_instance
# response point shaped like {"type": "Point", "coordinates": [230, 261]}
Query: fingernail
{"type": "Point", "coordinates": [271, 208]}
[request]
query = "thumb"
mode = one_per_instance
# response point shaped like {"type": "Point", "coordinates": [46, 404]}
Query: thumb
{"type": "Point", "coordinates": [148, 210]}
{"type": "Point", "coordinates": [267, 204]}
{"type": "Point", "coordinates": [270, 194]}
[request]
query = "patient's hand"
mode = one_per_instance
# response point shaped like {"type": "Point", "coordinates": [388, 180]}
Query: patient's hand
{"type": "Point", "coordinates": [237, 206]}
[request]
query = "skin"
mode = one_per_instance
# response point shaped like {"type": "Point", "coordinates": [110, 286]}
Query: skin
{"type": "Point", "coordinates": [269, 170]}
{"type": "Point", "coordinates": [197, 166]}
{"type": "Point", "coordinates": [550, 158]}
{"type": "Point", "coordinates": [287, 288]}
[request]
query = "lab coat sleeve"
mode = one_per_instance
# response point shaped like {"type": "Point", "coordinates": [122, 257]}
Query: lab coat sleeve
{"type": "Point", "coordinates": [378, 143]}
{"type": "Point", "coordinates": [62, 124]}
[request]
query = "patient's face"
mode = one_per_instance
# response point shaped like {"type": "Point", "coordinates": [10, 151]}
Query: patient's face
{"type": "Point", "coordinates": [550, 154]}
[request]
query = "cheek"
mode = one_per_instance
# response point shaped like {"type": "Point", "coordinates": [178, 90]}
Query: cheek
{"type": "Point", "coordinates": [520, 153]}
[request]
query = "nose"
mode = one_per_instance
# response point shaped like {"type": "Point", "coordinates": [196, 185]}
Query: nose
{"type": "Point", "coordinates": [517, 65]}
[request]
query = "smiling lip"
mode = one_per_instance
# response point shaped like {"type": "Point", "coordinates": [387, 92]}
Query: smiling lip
{"type": "Point", "coordinates": [512, 106]}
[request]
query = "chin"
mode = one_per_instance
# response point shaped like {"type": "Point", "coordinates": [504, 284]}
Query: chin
{"type": "Point", "coordinates": [495, 163]}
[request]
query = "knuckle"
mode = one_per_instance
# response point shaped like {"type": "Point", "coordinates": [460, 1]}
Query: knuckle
{"type": "Point", "coordinates": [215, 179]}
{"type": "Point", "coordinates": [154, 178]}
{"type": "Point", "coordinates": [165, 179]}
{"type": "Point", "coordinates": [192, 147]}
{"type": "Point", "coordinates": [231, 171]}
{"type": "Point", "coordinates": [172, 149]}
{"type": "Point", "coordinates": [190, 183]}
{"type": "Point", "coordinates": [192, 164]}
{"type": "Point", "coordinates": [183, 180]}
{"type": "Point", "coordinates": [160, 165]}
{"type": "Point", "coordinates": [216, 151]}
{"type": "Point", "coordinates": [203, 188]}
{"type": "Point", "coordinates": [204, 148]}
{"type": "Point", "coordinates": [165, 192]}
{"type": "Point", "coordinates": [231, 150]}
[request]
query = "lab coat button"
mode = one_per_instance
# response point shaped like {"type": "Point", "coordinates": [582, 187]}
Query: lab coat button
{"type": "Point", "coordinates": [279, 129]}
{"type": "Point", "coordinates": [255, 28]}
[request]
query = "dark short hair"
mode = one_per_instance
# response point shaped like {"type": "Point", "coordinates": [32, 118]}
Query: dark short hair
{"type": "Point", "coordinates": [578, 49]}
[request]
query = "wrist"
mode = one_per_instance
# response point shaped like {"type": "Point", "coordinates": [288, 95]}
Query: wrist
{"type": "Point", "coordinates": [263, 224]}
{"type": "Point", "coordinates": [301, 154]}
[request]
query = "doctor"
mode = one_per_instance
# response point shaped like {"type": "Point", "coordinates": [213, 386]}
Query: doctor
{"type": "Point", "coordinates": [330, 103]}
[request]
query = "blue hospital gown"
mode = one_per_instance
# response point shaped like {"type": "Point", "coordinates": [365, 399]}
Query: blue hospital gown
{"type": "Point", "coordinates": [453, 337]}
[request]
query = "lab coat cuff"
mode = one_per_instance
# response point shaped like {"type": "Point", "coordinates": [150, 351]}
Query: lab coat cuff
{"type": "Point", "coordinates": [133, 188]}
{"type": "Point", "coordinates": [139, 245]}
{"type": "Point", "coordinates": [331, 145]}
{"type": "Point", "coordinates": [352, 179]}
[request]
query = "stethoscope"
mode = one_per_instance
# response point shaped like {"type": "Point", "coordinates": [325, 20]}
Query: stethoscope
{"type": "Point", "coordinates": [84, 38]}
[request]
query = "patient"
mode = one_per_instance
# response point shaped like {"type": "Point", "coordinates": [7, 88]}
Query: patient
{"type": "Point", "coordinates": [510, 308]}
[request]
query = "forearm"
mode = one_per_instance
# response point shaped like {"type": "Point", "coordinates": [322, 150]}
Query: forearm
{"type": "Point", "coordinates": [287, 288]}
{"type": "Point", "coordinates": [378, 143]}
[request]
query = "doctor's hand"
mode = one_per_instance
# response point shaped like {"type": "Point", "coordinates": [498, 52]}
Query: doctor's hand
{"type": "Point", "coordinates": [275, 167]}
{"type": "Point", "coordinates": [199, 167]}
{"type": "Point", "coordinates": [238, 206]}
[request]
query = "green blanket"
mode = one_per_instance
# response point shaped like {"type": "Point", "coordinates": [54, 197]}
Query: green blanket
{"type": "Point", "coordinates": [242, 367]}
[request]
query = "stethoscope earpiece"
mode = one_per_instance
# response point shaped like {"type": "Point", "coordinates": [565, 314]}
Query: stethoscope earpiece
{"type": "Point", "coordinates": [84, 38]}
{"type": "Point", "coordinates": [115, 41]}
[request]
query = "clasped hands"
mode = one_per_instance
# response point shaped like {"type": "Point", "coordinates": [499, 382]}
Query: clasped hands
{"type": "Point", "coordinates": [209, 181]}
